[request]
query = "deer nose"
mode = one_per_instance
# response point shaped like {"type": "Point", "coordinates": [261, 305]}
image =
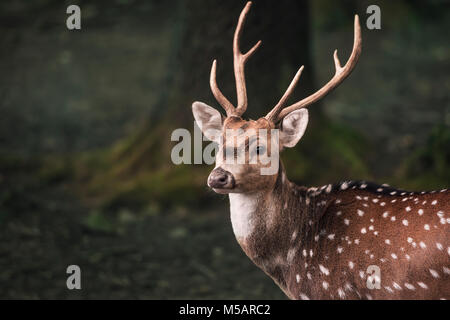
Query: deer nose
{"type": "Point", "coordinates": [221, 179]}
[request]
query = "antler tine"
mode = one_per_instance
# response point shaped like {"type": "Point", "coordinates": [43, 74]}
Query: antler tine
{"type": "Point", "coordinates": [272, 115]}
{"type": "Point", "coordinates": [340, 75]}
{"type": "Point", "coordinates": [239, 62]}
{"type": "Point", "coordinates": [223, 101]}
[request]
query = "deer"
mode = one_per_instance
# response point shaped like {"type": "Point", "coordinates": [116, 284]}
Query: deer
{"type": "Point", "coordinates": [321, 242]}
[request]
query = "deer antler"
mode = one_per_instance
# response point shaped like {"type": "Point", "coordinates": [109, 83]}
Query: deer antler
{"type": "Point", "coordinates": [277, 113]}
{"type": "Point", "coordinates": [239, 60]}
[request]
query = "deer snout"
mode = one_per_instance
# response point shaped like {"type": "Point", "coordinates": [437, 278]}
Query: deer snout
{"type": "Point", "coordinates": [221, 179]}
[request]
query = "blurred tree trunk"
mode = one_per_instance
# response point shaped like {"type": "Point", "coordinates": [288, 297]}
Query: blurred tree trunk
{"type": "Point", "coordinates": [283, 27]}
{"type": "Point", "coordinates": [204, 32]}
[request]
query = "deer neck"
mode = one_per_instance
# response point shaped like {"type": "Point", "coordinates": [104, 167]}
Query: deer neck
{"type": "Point", "coordinates": [263, 222]}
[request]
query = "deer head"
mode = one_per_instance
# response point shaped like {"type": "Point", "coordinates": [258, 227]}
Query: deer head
{"type": "Point", "coordinates": [290, 122]}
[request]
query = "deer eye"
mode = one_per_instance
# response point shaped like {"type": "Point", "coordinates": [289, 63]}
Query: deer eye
{"type": "Point", "coordinates": [260, 150]}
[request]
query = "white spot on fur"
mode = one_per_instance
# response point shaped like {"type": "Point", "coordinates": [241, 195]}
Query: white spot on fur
{"type": "Point", "coordinates": [409, 286]}
{"type": "Point", "coordinates": [422, 285]}
{"type": "Point", "coordinates": [351, 264]}
{"type": "Point", "coordinates": [297, 278]}
{"type": "Point", "coordinates": [294, 235]}
{"type": "Point", "coordinates": [385, 214]}
{"type": "Point", "coordinates": [405, 222]}
{"type": "Point", "coordinates": [434, 202]}
{"type": "Point", "coordinates": [325, 285]}
{"type": "Point", "coordinates": [426, 227]}
{"type": "Point", "coordinates": [303, 296]}
{"type": "Point", "coordinates": [363, 230]}
{"type": "Point", "coordinates": [396, 286]}
{"type": "Point", "coordinates": [324, 270]}
{"type": "Point", "coordinates": [387, 241]}
{"type": "Point", "coordinates": [434, 273]}
{"type": "Point", "coordinates": [290, 255]}
{"type": "Point", "coordinates": [360, 212]}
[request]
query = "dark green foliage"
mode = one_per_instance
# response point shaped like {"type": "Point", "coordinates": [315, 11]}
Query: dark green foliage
{"type": "Point", "coordinates": [429, 166]}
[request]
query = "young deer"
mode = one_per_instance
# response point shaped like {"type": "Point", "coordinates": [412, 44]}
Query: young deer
{"type": "Point", "coordinates": [318, 243]}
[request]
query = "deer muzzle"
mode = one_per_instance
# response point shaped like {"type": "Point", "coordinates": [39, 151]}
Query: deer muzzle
{"type": "Point", "coordinates": [221, 179]}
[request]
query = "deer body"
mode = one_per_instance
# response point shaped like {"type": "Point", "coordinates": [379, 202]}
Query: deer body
{"type": "Point", "coordinates": [321, 243]}
{"type": "Point", "coordinates": [322, 240]}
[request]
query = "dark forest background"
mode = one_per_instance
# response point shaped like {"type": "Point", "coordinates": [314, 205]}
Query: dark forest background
{"type": "Point", "coordinates": [86, 118]}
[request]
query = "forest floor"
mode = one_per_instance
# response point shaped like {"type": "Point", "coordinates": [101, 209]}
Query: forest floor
{"type": "Point", "coordinates": [145, 255]}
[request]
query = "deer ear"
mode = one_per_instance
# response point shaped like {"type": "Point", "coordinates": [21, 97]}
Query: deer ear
{"type": "Point", "coordinates": [293, 127]}
{"type": "Point", "coordinates": [208, 119]}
